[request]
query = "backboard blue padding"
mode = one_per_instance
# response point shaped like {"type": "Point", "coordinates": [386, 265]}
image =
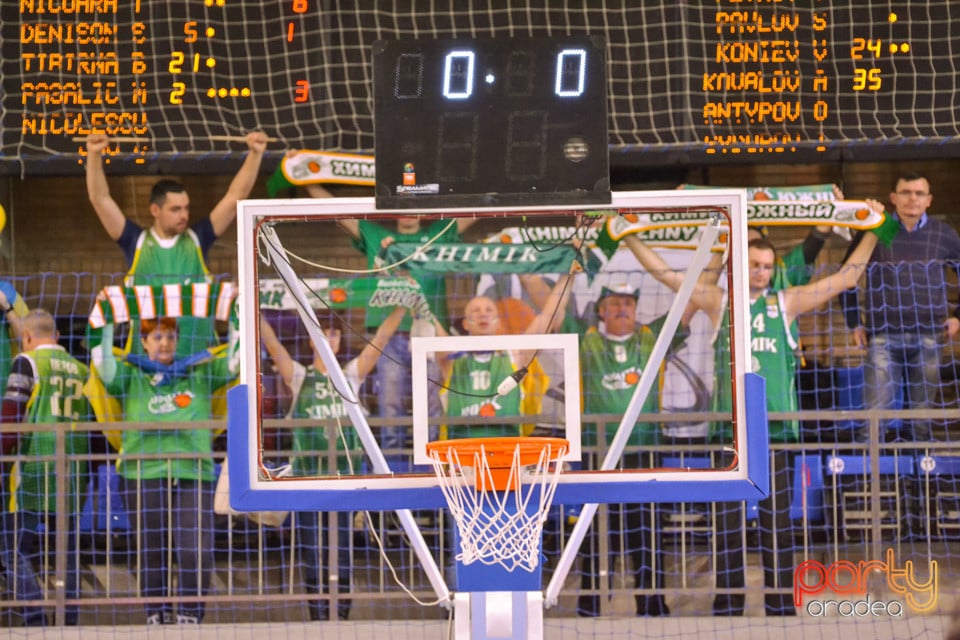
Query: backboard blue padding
{"type": "Point", "coordinates": [244, 498]}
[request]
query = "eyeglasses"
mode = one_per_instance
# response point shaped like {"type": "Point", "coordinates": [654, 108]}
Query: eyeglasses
{"type": "Point", "coordinates": [906, 193]}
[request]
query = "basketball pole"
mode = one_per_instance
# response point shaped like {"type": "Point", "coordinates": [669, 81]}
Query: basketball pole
{"type": "Point", "coordinates": [281, 262]}
{"type": "Point", "coordinates": [647, 378]}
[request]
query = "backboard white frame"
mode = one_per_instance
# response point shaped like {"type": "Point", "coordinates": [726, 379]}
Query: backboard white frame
{"type": "Point", "coordinates": [422, 348]}
{"type": "Point", "coordinates": [252, 489]}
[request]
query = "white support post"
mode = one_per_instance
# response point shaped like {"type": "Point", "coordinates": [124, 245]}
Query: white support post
{"type": "Point", "coordinates": [498, 615]}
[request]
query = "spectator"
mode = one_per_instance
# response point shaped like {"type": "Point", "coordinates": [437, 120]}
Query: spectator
{"type": "Point", "coordinates": [12, 311]}
{"type": "Point", "coordinates": [793, 268]}
{"type": "Point", "coordinates": [472, 378]}
{"type": "Point", "coordinates": [170, 499]}
{"type": "Point", "coordinates": [612, 357]}
{"type": "Point", "coordinates": [517, 296]}
{"type": "Point", "coordinates": [169, 252]}
{"type": "Point", "coordinates": [797, 265]}
{"type": "Point", "coordinates": [315, 396]}
{"type": "Point", "coordinates": [773, 338]}
{"type": "Point", "coordinates": [394, 390]}
{"type": "Point", "coordinates": [45, 385]}
{"type": "Point", "coordinates": [907, 320]}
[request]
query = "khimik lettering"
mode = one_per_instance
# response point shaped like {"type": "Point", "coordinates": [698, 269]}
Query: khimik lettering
{"type": "Point", "coordinates": [68, 6]}
{"type": "Point", "coordinates": [352, 169]}
{"type": "Point", "coordinates": [492, 254]}
{"type": "Point", "coordinates": [321, 412]}
{"type": "Point", "coordinates": [673, 217]}
{"type": "Point", "coordinates": [546, 233]}
{"type": "Point", "coordinates": [761, 344]}
{"type": "Point", "coordinates": [763, 51]}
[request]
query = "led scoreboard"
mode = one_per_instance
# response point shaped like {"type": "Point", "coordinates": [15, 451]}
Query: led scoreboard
{"type": "Point", "coordinates": [177, 84]}
{"type": "Point", "coordinates": [505, 121]}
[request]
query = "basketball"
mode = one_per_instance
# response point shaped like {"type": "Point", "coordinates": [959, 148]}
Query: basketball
{"type": "Point", "coordinates": [515, 315]}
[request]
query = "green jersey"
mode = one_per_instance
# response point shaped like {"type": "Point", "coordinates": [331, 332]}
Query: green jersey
{"type": "Point", "coordinates": [433, 286]}
{"type": "Point", "coordinates": [315, 397]}
{"type": "Point", "coordinates": [772, 347]}
{"type": "Point", "coordinates": [610, 369]}
{"type": "Point", "coordinates": [48, 384]}
{"type": "Point", "coordinates": [177, 261]}
{"type": "Point", "coordinates": [471, 391]}
{"type": "Point", "coordinates": [155, 397]}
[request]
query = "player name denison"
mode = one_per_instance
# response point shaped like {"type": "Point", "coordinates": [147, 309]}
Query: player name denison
{"type": "Point", "coordinates": [477, 253]}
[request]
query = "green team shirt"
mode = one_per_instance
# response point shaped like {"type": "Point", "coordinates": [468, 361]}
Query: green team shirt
{"type": "Point", "coordinates": [149, 398]}
{"type": "Point", "coordinates": [611, 369]}
{"type": "Point", "coordinates": [434, 287]}
{"type": "Point", "coordinates": [315, 397]}
{"type": "Point", "coordinates": [180, 262]}
{"type": "Point", "coordinates": [773, 347]}
{"type": "Point", "coordinates": [54, 381]}
{"type": "Point", "coordinates": [479, 374]}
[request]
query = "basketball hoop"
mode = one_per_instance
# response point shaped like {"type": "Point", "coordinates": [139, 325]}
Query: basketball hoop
{"type": "Point", "coordinates": [499, 490]}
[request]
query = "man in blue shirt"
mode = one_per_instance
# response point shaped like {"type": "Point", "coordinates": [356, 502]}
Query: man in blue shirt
{"type": "Point", "coordinates": [907, 319]}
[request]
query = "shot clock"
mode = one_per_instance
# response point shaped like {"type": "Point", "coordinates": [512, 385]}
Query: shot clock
{"type": "Point", "coordinates": [486, 122]}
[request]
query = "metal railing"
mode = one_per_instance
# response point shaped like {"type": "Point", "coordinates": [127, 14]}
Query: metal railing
{"type": "Point", "coordinates": [857, 501]}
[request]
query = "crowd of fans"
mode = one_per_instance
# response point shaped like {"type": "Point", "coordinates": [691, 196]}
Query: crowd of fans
{"type": "Point", "coordinates": [171, 366]}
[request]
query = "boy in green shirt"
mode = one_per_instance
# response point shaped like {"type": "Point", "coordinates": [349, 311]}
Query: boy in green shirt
{"type": "Point", "coordinates": [315, 396]}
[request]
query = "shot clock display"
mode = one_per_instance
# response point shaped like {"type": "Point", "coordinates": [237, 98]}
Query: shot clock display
{"type": "Point", "coordinates": [490, 121]}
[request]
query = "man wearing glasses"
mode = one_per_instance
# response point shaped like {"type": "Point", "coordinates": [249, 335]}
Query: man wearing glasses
{"type": "Point", "coordinates": [906, 319]}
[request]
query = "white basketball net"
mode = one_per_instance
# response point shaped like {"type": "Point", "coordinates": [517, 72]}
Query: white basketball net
{"type": "Point", "coordinates": [499, 527]}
